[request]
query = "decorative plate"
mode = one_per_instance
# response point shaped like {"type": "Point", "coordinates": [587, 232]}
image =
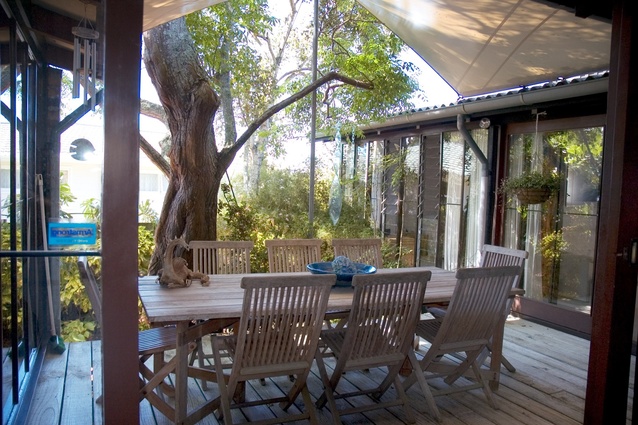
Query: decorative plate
{"type": "Point", "coordinates": [343, 278]}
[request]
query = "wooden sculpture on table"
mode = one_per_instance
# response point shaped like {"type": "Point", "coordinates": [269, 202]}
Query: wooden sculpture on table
{"type": "Point", "coordinates": [175, 272]}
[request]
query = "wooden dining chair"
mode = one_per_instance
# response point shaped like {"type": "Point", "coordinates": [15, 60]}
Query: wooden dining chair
{"type": "Point", "coordinates": [381, 325]}
{"type": "Point", "coordinates": [153, 342]}
{"type": "Point", "coordinates": [277, 336]}
{"type": "Point", "coordinates": [476, 307]}
{"type": "Point", "coordinates": [292, 255]}
{"type": "Point", "coordinates": [495, 256]}
{"type": "Point", "coordinates": [364, 250]}
{"type": "Point", "coordinates": [218, 257]}
{"type": "Point", "coordinates": [221, 257]}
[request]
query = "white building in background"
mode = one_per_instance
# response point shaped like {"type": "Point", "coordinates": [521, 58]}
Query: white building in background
{"type": "Point", "coordinates": [85, 177]}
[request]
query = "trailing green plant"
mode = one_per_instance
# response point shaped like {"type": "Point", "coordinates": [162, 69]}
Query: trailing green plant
{"type": "Point", "coordinates": [531, 180]}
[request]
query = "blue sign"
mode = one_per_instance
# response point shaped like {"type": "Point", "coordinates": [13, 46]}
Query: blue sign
{"type": "Point", "coordinates": [72, 233]}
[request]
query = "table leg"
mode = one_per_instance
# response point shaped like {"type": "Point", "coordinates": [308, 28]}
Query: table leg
{"type": "Point", "coordinates": [181, 373]}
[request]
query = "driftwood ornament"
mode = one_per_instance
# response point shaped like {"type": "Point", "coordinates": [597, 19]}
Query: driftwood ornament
{"type": "Point", "coordinates": [175, 272]}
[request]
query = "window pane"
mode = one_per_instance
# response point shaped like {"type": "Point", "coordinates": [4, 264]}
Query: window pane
{"type": "Point", "coordinates": [149, 182]}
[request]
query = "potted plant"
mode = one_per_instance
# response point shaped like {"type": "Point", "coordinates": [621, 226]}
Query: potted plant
{"type": "Point", "coordinates": [532, 187]}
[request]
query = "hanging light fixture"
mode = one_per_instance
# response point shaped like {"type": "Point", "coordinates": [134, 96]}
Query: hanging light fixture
{"type": "Point", "coordinates": [85, 65]}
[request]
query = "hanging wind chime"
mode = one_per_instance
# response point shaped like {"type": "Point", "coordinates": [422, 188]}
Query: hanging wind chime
{"type": "Point", "coordinates": [85, 65]}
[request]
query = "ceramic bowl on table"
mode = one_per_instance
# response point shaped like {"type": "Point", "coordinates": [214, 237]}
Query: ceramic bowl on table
{"type": "Point", "coordinates": [344, 278]}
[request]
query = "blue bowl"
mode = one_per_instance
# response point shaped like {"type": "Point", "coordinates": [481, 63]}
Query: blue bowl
{"type": "Point", "coordinates": [343, 279]}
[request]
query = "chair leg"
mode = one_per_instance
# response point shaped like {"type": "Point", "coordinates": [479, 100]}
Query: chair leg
{"type": "Point", "coordinates": [327, 396]}
{"type": "Point", "coordinates": [409, 414]}
{"type": "Point", "coordinates": [507, 364]}
{"type": "Point", "coordinates": [310, 406]}
{"type": "Point", "coordinates": [425, 388]}
{"type": "Point", "coordinates": [221, 382]}
{"type": "Point", "coordinates": [485, 385]}
{"type": "Point", "coordinates": [200, 362]}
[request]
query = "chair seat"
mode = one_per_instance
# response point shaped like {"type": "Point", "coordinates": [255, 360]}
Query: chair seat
{"type": "Point", "coordinates": [429, 328]}
{"type": "Point", "coordinates": [375, 339]}
{"type": "Point", "coordinates": [156, 340]}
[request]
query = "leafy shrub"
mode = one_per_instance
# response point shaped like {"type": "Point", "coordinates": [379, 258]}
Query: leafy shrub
{"type": "Point", "coordinates": [280, 210]}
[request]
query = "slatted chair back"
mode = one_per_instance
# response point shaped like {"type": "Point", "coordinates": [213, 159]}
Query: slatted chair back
{"type": "Point", "coordinates": [91, 287]}
{"type": "Point", "coordinates": [498, 256]}
{"type": "Point", "coordinates": [292, 255]}
{"type": "Point", "coordinates": [366, 250]}
{"type": "Point", "coordinates": [478, 300]}
{"type": "Point", "coordinates": [380, 332]}
{"type": "Point", "coordinates": [221, 257]}
{"type": "Point", "coordinates": [277, 335]}
{"type": "Point", "coordinates": [466, 329]}
{"type": "Point", "coordinates": [152, 343]}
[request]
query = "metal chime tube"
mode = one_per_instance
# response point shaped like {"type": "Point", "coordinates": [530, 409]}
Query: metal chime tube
{"type": "Point", "coordinates": [93, 72]}
{"type": "Point", "coordinates": [87, 59]}
{"type": "Point", "coordinates": [77, 56]}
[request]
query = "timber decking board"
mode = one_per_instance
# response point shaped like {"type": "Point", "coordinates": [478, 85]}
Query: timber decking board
{"type": "Point", "coordinates": [77, 386]}
{"type": "Point", "coordinates": [547, 389]}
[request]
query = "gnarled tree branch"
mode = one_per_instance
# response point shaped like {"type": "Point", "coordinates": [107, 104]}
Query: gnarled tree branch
{"type": "Point", "coordinates": [331, 76]}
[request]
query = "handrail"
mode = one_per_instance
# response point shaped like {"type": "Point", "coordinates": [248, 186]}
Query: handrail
{"type": "Point", "coordinates": [49, 253]}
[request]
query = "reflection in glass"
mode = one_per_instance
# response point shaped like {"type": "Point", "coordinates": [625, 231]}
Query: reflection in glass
{"type": "Point", "coordinates": [559, 234]}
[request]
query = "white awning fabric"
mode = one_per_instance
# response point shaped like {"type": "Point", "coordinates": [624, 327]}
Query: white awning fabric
{"type": "Point", "coordinates": [484, 46]}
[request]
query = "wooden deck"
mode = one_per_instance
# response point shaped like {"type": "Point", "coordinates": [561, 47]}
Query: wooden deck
{"type": "Point", "coordinates": [547, 388]}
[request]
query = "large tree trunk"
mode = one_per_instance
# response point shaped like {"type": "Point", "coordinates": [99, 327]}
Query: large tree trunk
{"type": "Point", "coordinates": [190, 206]}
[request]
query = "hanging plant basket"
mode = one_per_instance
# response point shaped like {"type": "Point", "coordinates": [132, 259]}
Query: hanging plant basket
{"type": "Point", "coordinates": [533, 195]}
{"type": "Point", "coordinates": [531, 187]}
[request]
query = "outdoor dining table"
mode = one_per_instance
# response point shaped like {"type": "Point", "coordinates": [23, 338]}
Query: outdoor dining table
{"type": "Point", "coordinates": [219, 305]}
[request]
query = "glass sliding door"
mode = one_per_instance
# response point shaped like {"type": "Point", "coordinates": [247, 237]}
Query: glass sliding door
{"type": "Point", "coordinates": [460, 233]}
{"type": "Point", "coordinates": [430, 198]}
{"type": "Point", "coordinates": [559, 234]}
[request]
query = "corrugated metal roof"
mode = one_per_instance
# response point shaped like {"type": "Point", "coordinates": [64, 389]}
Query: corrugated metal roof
{"type": "Point", "coordinates": [511, 92]}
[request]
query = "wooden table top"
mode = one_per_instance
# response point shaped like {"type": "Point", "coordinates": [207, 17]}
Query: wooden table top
{"type": "Point", "coordinates": [223, 298]}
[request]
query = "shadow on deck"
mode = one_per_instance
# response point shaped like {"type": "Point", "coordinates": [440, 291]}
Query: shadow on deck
{"type": "Point", "coordinates": [547, 388]}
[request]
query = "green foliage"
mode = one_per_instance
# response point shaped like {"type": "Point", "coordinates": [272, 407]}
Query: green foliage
{"type": "Point", "coordinates": [77, 330]}
{"type": "Point", "coordinates": [6, 280]}
{"type": "Point", "coordinates": [531, 180]}
{"type": "Point", "coordinates": [582, 150]}
{"type": "Point", "coordinates": [280, 210]}
{"type": "Point", "coordinates": [78, 321]}
{"type": "Point", "coordinates": [268, 59]}
{"type": "Point", "coordinates": [226, 36]}
{"type": "Point", "coordinates": [66, 197]}
{"type": "Point", "coordinates": [553, 245]}
{"type": "Point", "coordinates": [353, 42]}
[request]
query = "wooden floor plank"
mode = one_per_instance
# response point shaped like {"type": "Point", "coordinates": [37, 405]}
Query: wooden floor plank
{"type": "Point", "coordinates": [47, 401]}
{"type": "Point", "coordinates": [548, 388]}
{"type": "Point", "coordinates": [77, 407]}
{"type": "Point", "coordinates": [96, 350]}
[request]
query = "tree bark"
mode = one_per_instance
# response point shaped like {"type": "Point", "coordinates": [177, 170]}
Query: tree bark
{"type": "Point", "coordinates": [190, 103]}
